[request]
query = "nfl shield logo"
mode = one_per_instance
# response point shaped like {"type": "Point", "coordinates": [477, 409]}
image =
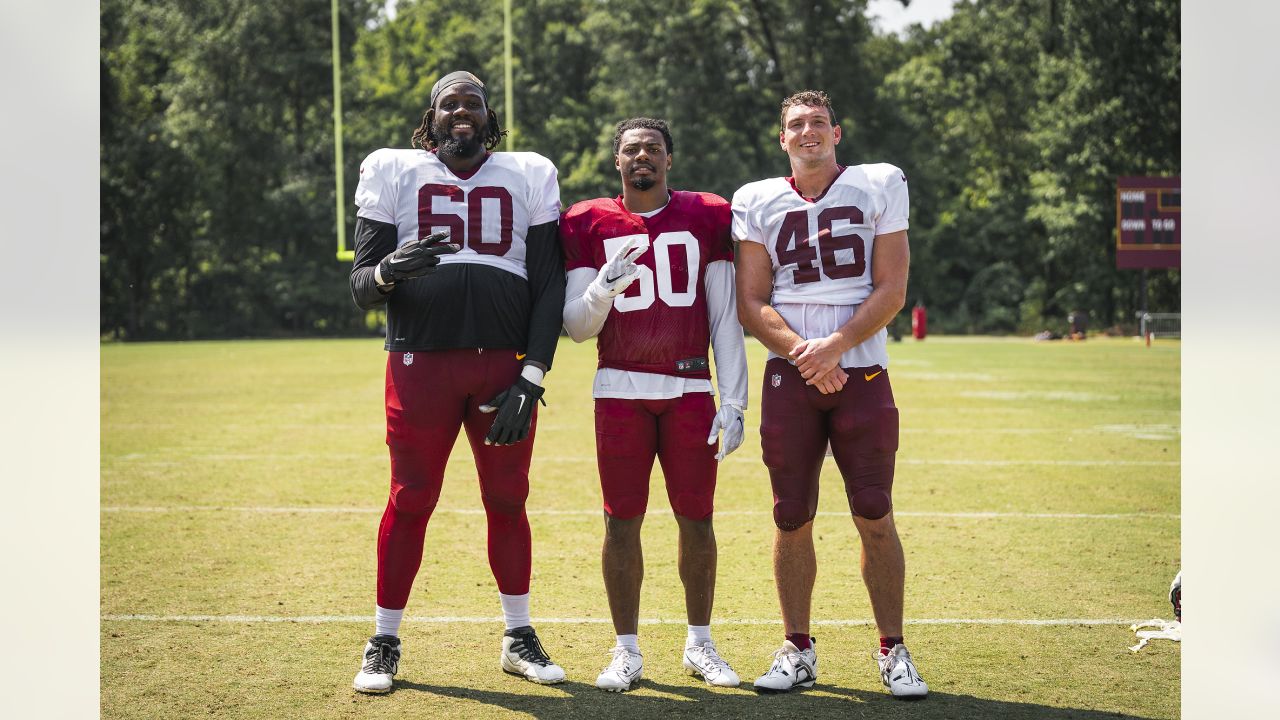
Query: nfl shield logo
{"type": "Point", "coordinates": [777, 380]}
{"type": "Point", "coordinates": [408, 358]}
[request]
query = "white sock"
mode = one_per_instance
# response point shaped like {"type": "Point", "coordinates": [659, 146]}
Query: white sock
{"type": "Point", "coordinates": [387, 622]}
{"type": "Point", "coordinates": [630, 642]}
{"type": "Point", "coordinates": [515, 610]}
{"type": "Point", "coordinates": [698, 634]}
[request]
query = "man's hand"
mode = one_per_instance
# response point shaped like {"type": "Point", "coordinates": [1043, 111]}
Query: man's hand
{"type": "Point", "coordinates": [728, 419]}
{"type": "Point", "coordinates": [415, 258]}
{"type": "Point", "coordinates": [831, 382]}
{"type": "Point", "coordinates": [815, 358]}
{"type": "Point", "coordinates": [621, 270]}
{"type": "Point", "coordinates": [515, 412]}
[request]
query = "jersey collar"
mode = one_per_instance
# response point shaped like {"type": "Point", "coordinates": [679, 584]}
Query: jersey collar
{"type": "Point", "coordinates": [463, 175]}
{"type": "Point", "coordinates": [792, 182]}
{"type": "Point", "coordinates": [671, 195]}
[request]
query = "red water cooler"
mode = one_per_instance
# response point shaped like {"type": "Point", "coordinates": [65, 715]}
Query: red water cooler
{"type": "Point", "coordinates": [919, 322]}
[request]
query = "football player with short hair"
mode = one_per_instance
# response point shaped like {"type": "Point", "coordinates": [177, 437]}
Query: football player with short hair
{"type": "Point", "coordinates": [822, 268]}
{"type": "Point", "coordinates": [460, 245]}
{"type": "Point", "coordinates": [650, 274]}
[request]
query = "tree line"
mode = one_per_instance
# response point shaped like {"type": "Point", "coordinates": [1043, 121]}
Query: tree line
{"type": "Point", "coordinates": [1011, 119]}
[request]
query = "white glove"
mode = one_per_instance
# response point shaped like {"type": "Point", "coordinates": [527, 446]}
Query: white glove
{"type": "Point", "coordinates": [621, 270]}
{"type": "Point", "coordinates": [729, 419]}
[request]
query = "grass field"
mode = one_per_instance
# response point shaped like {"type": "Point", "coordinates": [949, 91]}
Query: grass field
{"type": "Point", "coordinates": [1037, 494]}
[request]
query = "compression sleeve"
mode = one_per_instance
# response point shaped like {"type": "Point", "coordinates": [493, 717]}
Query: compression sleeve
{"type": "Point", "coordinates": [374, 241]}
{"type": "Point", "coordinates": [726, 334]}
{"type": "Point", "coordinates": [584, 311]}
{"type": "Point", "coordinates": [545, 264]}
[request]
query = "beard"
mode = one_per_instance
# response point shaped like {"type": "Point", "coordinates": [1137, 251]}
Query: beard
{"type": "Point", "coordinates": [451, 147]}
{"type": "Point", "coordinates": [643, 183]}
{"type": "Point", "coordinates": [460, 148]}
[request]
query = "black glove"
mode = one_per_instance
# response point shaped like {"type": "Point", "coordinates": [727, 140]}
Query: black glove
{"type": "Point", "coordinates": [415, 258]}
{"type": "Point", "coordinates": [515, 411]}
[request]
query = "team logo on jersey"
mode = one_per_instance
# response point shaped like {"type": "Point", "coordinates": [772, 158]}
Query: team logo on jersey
{"type": "Point", "coordinates": [408, 358]}
{"type": "Point", "coordinates": [777, 380]}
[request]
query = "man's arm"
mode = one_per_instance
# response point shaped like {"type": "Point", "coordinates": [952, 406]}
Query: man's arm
{"type": "Point", "coordinates": [514, 406]}
{"type": "Point", "coordinates": [726, 335]}
{"type": "Point", "coordinates": [731, 358]}
{"type": "Point", "coordinates": [755, 291]}
{"type": "Point", "coordinates": [546, 293]}
{"type": "Point", "coordinates": [584, 312]}
{"type": "Point", "coordinates": [374, 241]}
{"type": "Point", "coordinates": [890, 262]}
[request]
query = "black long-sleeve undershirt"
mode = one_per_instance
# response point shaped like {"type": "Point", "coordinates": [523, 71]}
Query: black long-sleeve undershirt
{"type": "Point", "coordinates": [463, 305]}
{"type": "Point", "coordinates": [374, 241]}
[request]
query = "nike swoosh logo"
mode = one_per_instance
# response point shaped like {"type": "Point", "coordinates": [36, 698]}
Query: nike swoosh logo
{"type": "Point", "coordinates": [519, 356]}
{"type": "Point", "coordinates": [522, 396]}
{"type": "Point", "coordinates": [608, 279]}
{"type": "Point", "coordinates": [871, 376]}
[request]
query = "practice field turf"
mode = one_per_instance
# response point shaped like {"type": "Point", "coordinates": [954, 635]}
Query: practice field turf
{"type": "Point", "coordinates": [1037, 495]}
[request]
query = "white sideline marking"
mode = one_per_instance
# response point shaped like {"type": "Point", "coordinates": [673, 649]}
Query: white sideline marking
{"type": "Point", "coordinates": [324, 619]}
{"type": "Point", "coordinates": [595, 513]}
{"type": "Point", "coordinates": [143, 459]}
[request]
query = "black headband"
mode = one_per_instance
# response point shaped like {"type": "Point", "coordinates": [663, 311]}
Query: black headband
{"type": "Point", "coordinates": [454, 78]}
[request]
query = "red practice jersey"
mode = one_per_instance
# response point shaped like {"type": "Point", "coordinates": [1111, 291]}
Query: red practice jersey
{"type": "Point", "coordinates": [662, 317]}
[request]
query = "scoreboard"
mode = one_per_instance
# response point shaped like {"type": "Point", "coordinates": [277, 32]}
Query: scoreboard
{"type": "Point", "coordinates": [1148, 222]}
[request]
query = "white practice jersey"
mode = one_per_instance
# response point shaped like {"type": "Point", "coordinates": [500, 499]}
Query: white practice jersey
{"type": "Point", "coordinates": [821, 249]}
{"type": "Point", "coordinates": [487, 212]}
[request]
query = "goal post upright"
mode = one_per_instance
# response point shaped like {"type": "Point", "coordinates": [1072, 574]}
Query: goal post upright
{"type": "Point", "coordinates": [344, 254]}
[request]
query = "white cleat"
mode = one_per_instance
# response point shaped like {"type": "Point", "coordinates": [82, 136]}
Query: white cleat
{"type": "Point", "coordinates": [703, 661]}
{"type": "Point", "coordinates": [522, 655]}
{"type": "Point", "coordinates": [898, 673]}
{"type": "Point", "coordinates": [625, 669]}
{"type": "Point", "coordinates": [792, 667]}
{"type": "Point", "coordinates": [381, 662]}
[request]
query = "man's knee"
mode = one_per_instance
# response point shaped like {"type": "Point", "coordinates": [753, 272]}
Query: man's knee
{"type": "Point", "coordinates": [510, 505]}
{"type": "Point", "coordinates": [622, 531]}
{"type": "Point", "coordinates": [696, 530]}
{"type": "Point", "coordinates": [695, 507]}
{"type": "Point", "coordinates": [792, 514]}
{"type": "Point", "coordinates": [871, 503]}
{"type": "Point", "coordinates": [410, 501]}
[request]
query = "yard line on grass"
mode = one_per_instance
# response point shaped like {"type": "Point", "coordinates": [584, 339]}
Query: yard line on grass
{"type": "Point", "coordinates": [143, 459]}
{"type": "Point", "coordinates": [448, 619]}
{"type": "Point", "coordinates": [594, 513]}
{"type": "Point", "coordinates": [1066, 463]}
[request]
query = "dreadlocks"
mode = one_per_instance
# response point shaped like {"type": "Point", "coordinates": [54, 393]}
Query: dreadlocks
{"type": "Point", "coordinates": [425, 136]}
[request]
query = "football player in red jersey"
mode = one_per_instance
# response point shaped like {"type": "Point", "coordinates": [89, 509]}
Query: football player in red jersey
{"type": "Point", "coordinates": [460, 245]}
{"type": "Point", "coordinates": [822, 269]}
{"type": "Point", "coordinates": [650, 273]}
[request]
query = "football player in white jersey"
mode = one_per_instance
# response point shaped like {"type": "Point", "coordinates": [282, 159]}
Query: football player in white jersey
{"type": "Point", "coordinates": [460, 244]}
{"type": "Point", "coordinates": [822, 262]}
{"type": "Point", "coordinates": [650, 274]}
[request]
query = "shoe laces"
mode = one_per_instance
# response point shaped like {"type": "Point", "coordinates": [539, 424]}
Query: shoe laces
{"type": "Point", "coordinates": [710, 657]}
{"type": "Point", "coordinates": [779, 656]}
{"type": "Point", "coordinates": [621, 661]}
{"type": "Point", "coordinates": [380, 658]}
{"type": "Point", "coordinates": [530, 649]}
{"type": "Point", "coordinates": [892, 659]}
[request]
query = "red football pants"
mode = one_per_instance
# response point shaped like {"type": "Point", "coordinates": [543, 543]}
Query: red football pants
{"type": "Point", "coordinates": [430, 395]}
{"type": "Point", "coordinates": [630, 433]}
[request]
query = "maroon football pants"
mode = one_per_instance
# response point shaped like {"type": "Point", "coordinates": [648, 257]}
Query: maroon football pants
{"type": "Point", "coordinates": [797, 421]}
{"type": "Point", "coordinates": [430, 395]}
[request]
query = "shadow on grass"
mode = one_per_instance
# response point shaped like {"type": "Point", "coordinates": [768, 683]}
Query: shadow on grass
{"type": "Point", "coordinates": [580, 700]}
